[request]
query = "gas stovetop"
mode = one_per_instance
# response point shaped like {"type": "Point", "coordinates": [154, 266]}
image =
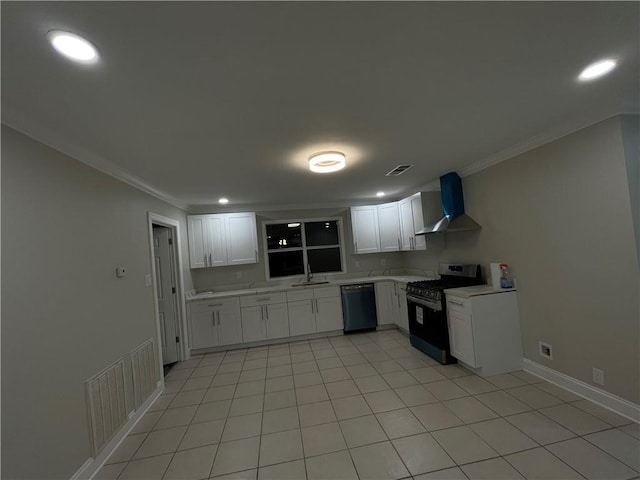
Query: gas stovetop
{"type": "Point", "coordinates": [452, 276]}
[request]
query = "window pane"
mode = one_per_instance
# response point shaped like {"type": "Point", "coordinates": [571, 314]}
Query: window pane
{"type": "Point", "coordinates": [283, 264]}
{"type": "Point", "coordinates": [324, 260]}
{"type": "Point", "coordinates": [281, 235]}
{"type": "Point", "coordinates": [321, 233]}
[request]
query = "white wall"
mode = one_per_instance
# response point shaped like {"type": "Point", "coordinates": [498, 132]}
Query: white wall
{"type": "Point", "coordinates": [561, 216]}
{"type": "Point", "coordinates": [65, 316]}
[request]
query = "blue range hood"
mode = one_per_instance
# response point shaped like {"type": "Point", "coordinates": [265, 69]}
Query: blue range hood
{"type": "Point", "coordinates": [454, 219]}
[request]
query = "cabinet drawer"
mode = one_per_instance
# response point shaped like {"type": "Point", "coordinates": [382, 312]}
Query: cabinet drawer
{"type": "Point", "coordinates": [264, 299]}
{"type": "Point", "coordinates": [326, 292]}
{"type": "Point", "coordinates": [212, 304]}
{"type": "Point", "coordinates": [297, 295]}
{"type": "Point", "coordinates": [458, 304]}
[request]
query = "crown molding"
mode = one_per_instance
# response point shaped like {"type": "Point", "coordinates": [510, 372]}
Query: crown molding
{"type": "Point", "coordinates": [53, 140]}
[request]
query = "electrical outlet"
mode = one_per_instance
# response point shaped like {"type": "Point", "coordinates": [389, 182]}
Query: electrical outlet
{"type": "Point", "coordinates": [383, 261]}
{"type": "Point", "coordinates": [544, 349]}
{"type": "Point", "coordinates": [238, 275]}
{"type": "Point", "coordinates": [598, 376]}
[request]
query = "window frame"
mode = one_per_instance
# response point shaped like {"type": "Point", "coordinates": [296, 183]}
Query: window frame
{"type": "Point", "coordinates": [304, 246]}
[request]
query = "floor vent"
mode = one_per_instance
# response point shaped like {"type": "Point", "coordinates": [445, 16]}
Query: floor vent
{"type": "Point", "coordinates": [145, 371]}
{"type": "Point", "coordinates": [106, 393]}
{"type": "Point", "coordinates": [399, 170]}
{"type": "Point", "coordinates": [118, 391]}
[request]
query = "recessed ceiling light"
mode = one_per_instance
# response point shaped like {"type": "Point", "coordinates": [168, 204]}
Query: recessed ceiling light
{"type": "Point", "coordinates": [73, 46]}
{"type": "Point", "coordinates": [325, 162]}
{"type": "Point", "coordinates": [380, 194]}
{"type": "Point", "coordinates": [597, 69]}
{"type": "Point", "coordinates": [223, 200]}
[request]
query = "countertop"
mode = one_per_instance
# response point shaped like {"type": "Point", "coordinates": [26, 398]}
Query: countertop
{"type": "Point", "coordinates": [474, 291]}
{"type": "Point", "coordinates": [190, 297]}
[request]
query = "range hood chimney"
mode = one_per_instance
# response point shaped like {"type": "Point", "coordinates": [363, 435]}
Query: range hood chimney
{"type": "Point", "coordinates": [454, 219]}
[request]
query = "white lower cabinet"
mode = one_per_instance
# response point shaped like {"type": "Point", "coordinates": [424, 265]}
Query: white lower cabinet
{"type": "Point", "coordinates": [315, 310]}
{"type": "Point", "coordinates": [403, 313]}
{"type": "Point", "coordinates": [302, 318]}
{"type": "Point", "coordinates": [329, 314]}
{"type": "Point", "coordinates": [215, 323]}
{"type": "Point", "coordinates": [264, 317]}
{"type": "Point", "coordinates": [386, 303]}
{"type": "Point", "coordinates": [484, 331]}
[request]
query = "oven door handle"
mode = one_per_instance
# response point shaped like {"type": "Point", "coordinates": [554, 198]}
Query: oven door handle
{"type": "Point", "coordinates": [424, 303]}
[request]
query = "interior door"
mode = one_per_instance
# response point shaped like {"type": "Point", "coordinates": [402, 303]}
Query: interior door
{"type": "Point", "coordinates": [165, 288]}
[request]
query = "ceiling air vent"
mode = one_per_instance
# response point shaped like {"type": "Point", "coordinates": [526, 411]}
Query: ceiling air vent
{"type": "Point", "coordinates": [399, 170]}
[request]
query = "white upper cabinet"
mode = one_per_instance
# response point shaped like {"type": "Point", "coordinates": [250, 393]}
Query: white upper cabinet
{"type": "Point", "coordinates": [198, 241]}
{"type": "Point", "coordinates": [217, 241]}
{"type": "Point", "coordinates": [389, 227]}
{"type": "Point", "coordinates": [411, 221]}
{"type": "Point", "coordinates": [242, 239]}
{"type": "Point", "coordinates": [222, 239]}
{"type": "Point", "coordinates": [364, 221]}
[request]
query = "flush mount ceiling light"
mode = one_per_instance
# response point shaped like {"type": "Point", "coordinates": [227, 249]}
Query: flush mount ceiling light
{"type": "Point", "coordinates": [325, 162]}
{"type": "Point", "coordinates": [597, 69]}
{"type": "Point", "coordinates": [73, 46]}
{"type": "Point", "coordinates": [223, 201]}
{"type": "Point", "coordinates": [380, 194]}
{"type": "Point", "coordinates": [293, 225]}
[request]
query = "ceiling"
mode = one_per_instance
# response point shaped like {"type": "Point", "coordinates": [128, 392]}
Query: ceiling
{"type": "Point", "coordinates": [192, 101]}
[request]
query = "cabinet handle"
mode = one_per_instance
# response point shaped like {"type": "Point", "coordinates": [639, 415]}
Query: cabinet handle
{"type": "Point", "coordinates": [214, 305]}
{"type": "Point", "coordinates": [399, 245]}
{"type": "Point", "coordinates": [266, 312]}
{"type": "Point", "coordinates": [205, 260]}
{"type": "Point", "coordinates": [262, 314]}
{"type": "Point", "coordinates": [256, 255]}
{"type": "Point", "coordinates": [210, 262]}
{"type": "Point", "coordinates": [263, 299]}
{"type": "Point", "coordinates": [316, 306]}
{"type": "Point", "coordinates": [460, 304]}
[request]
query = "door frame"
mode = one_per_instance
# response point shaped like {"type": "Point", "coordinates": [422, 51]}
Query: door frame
{"type": "Point", "coordinates": [181, 315]}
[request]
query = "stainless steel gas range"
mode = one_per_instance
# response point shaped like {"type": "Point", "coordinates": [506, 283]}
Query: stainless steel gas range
{"type": "Point", "coordinates": [427, 305]}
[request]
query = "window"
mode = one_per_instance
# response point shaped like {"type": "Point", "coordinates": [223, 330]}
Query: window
{"type": "Point", "coordinates": [296, 246]}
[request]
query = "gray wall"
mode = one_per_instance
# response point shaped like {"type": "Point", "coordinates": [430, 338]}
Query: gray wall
{"type": "Point", "coordinates": [561, 216]}
{"type": "Point", "coordinates": [65, 316]}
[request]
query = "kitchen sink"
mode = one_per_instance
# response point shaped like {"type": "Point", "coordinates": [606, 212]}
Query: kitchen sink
{"type": "Point", "coordinates": [307, 284]}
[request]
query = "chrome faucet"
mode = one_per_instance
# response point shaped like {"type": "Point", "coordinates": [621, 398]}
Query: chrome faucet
{"type": "Point", "coordinates": [309, 274]}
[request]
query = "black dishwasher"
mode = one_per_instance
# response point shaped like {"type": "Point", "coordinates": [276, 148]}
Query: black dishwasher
{"type": "Point", "coordinates": [359, 307]}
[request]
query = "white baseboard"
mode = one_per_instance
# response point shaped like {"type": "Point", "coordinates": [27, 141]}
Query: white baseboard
{"type": "Point", "coordinates": [605, 399]}
{"type": "Point", "coordinates": [92, 465]}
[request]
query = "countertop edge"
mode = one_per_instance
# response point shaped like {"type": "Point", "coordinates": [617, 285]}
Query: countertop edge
{"type": "Point", "coordinates": [287, 288]}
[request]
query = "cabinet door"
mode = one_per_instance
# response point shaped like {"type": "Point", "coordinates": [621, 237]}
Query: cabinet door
{"type": "Point", "coordinates": [461, 337]}
{"type": "Point", "coordinates": [217, 240]}
{"type": "Point", "coordinates": [385, 302]}
{"type": "Point", "coordinates": [277, 320]}
{"type": "Point", "coordinates": [419, 241]}
{"type": "Point", "coordinates": [389, 227]}
{"type": "Point", "coordinates": [203, 330]}
{"type": "Point", "coordinates": [302, 319]}
{"type": "Point", "coordinates": [364, 221]}
{"type": "Point", "coordinates": [198, 241]}
{"type": "Point", "coordinates": [329, 314]}
{"type": "Point", "coordinates": [242, 241]}
{"type": "Point", "coordinates": [403, 314]}
{"type": "Point", "coordinates": [406, 224]}
{"type": "Point", "coordinates": [229, 326]}
{"type": "Point", "coordinates": [253, 324]}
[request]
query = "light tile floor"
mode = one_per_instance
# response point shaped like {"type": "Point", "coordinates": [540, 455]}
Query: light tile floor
{"type": "Point", "coordinates": [367, 406]}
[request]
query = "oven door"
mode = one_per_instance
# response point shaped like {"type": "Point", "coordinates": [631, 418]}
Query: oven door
{"type": "Point", "coordinates": [429, 329]}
